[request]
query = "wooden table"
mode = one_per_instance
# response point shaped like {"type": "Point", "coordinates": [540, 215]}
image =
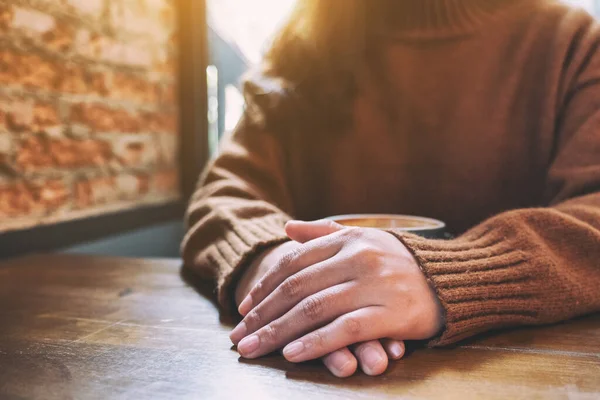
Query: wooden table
{"type": "Point", "coordinates": [88, 327]}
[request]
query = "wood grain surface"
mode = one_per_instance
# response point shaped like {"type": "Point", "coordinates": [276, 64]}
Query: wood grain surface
{"type": "Point", "coordinates": [81, 327]}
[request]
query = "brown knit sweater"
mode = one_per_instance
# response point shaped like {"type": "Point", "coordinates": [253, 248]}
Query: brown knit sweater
{"type": "Point", "coordinates": [499, 136]}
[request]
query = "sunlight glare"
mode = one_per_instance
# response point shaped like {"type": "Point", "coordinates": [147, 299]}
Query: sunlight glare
{"type": "Point", "coordinates": [248, 24]}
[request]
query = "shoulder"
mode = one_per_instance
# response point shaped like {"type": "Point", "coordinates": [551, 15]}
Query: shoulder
{"type": "Point", "coordinates": [559, 34]}
{"type": "Point", "coordinates": [550, 30]}
{"type": "Point", "coordinates": [568, 38]}
{"type": "Point", "coordinates": [560, 17]}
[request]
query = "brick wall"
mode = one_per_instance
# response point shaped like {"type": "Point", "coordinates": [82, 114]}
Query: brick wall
{"type": "Point", "coordinates": [88, 119]}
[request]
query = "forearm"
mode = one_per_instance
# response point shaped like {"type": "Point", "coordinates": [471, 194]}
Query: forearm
{"type": "Point", "coordinates": [240, 207]}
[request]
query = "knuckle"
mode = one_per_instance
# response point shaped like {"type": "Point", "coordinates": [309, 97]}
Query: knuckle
{"type": "Point", "coordinates": [318, 340]}
{"type": "Point", "coordinates": [370, 255]}
{"type": "Point", "coordinates": [253, 318]}
{"type": "Point", "coordinates": [352, 326]}
{"type": "Point", "coordinates": [257, 289]}
{"type": "Point", "coordinates": [312, 308]}
{"type": "Point", "coordinates": [351, 232]}
{"type": "Point", "coordinates": [357, 232]}
{"type": "Point", "coordinates": [333, 225]}
{"type": "Point", "coordinates": [291, 287]}
{"type": "Point", "coordinates": [288, 259]}
{"type": "Point", "coordinates": [269, 334]}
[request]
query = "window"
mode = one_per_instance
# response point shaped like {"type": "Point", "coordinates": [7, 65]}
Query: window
{"type": "Point", "coordinates": [239, 30]}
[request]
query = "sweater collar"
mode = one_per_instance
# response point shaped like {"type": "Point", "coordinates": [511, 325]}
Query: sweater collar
{"type": "Point", "coordinates": [440, 18]}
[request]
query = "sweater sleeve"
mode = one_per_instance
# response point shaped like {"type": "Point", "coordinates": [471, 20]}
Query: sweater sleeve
{"type": "Point", "coordinates": [240, 207]}
{"type": "Point", "coordinates": [531, 266]}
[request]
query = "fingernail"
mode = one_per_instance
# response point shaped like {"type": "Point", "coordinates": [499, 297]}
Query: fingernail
{"type": "Point", "coordinates": [338, 361]}
{"type": "Point", "coordinates": [248, 345]}
{"type": "Point", "coordinates": [397, 350]}
{"type": "Point", "coordinates": [293, 350]}
{"type": "Point", "coordinates": [245, 305]}
{"type": "Point", "coordinates": [371, 359]}
{"type": "Point", "coordinates": [239, 332]}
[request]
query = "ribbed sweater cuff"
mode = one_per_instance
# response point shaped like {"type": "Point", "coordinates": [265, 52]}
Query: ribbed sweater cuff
{"type": "Point", "coordinates": [236, 248]}
{"type": "Point", "coordinates": [481, 279]}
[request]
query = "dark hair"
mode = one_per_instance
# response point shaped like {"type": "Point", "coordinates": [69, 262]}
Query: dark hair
{"type": "Point", "coordinates": [309, 75]}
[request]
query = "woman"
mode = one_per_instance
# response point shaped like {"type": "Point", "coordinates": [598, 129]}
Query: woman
{"type": "Point", "coordinates": [481, 113]}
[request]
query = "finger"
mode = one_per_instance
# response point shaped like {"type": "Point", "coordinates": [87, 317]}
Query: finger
{"type": "Point", "coordinates": [358, 326]}
{"type": "Point", "coordinates": [395, 349]}
{"type": "Point", "coordinates": [372, 358]}
{"type": "Point", "coordinates": [294, 261]}
{"type": "Point", "coordinates": [311, 313]}
{"type": "Point", "coordinates": [303, 232]}
{"type": "Point", "coordinates": [292, 291]}
{"type": "Point", "coordinates": [341, 363]}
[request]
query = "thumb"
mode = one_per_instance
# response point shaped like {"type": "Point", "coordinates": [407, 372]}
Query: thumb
{"type": "Point", "coordinates": [303, 232]}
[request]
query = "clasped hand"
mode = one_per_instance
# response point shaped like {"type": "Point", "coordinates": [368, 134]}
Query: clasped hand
{"type": "Point", "coordinates": [337, 287]}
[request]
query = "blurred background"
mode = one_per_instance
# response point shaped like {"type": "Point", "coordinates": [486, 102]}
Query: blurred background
{"type": "Point", "coordinates": [239, 31]}
{"type": "Point", "coordinates": [110, 108]}
{"type": "Point", "coordinates": [89, 119]}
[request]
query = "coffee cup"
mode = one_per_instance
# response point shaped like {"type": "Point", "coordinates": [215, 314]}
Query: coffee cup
{"type": "Point", "coordinates": [422, 226]}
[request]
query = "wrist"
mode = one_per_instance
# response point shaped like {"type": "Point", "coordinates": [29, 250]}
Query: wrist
{"type": "Point", "coordinates": [432, 316]}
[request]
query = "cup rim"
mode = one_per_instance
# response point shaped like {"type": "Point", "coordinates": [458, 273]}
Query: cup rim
{"type": "Point", "coordinates": [437, 224]}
